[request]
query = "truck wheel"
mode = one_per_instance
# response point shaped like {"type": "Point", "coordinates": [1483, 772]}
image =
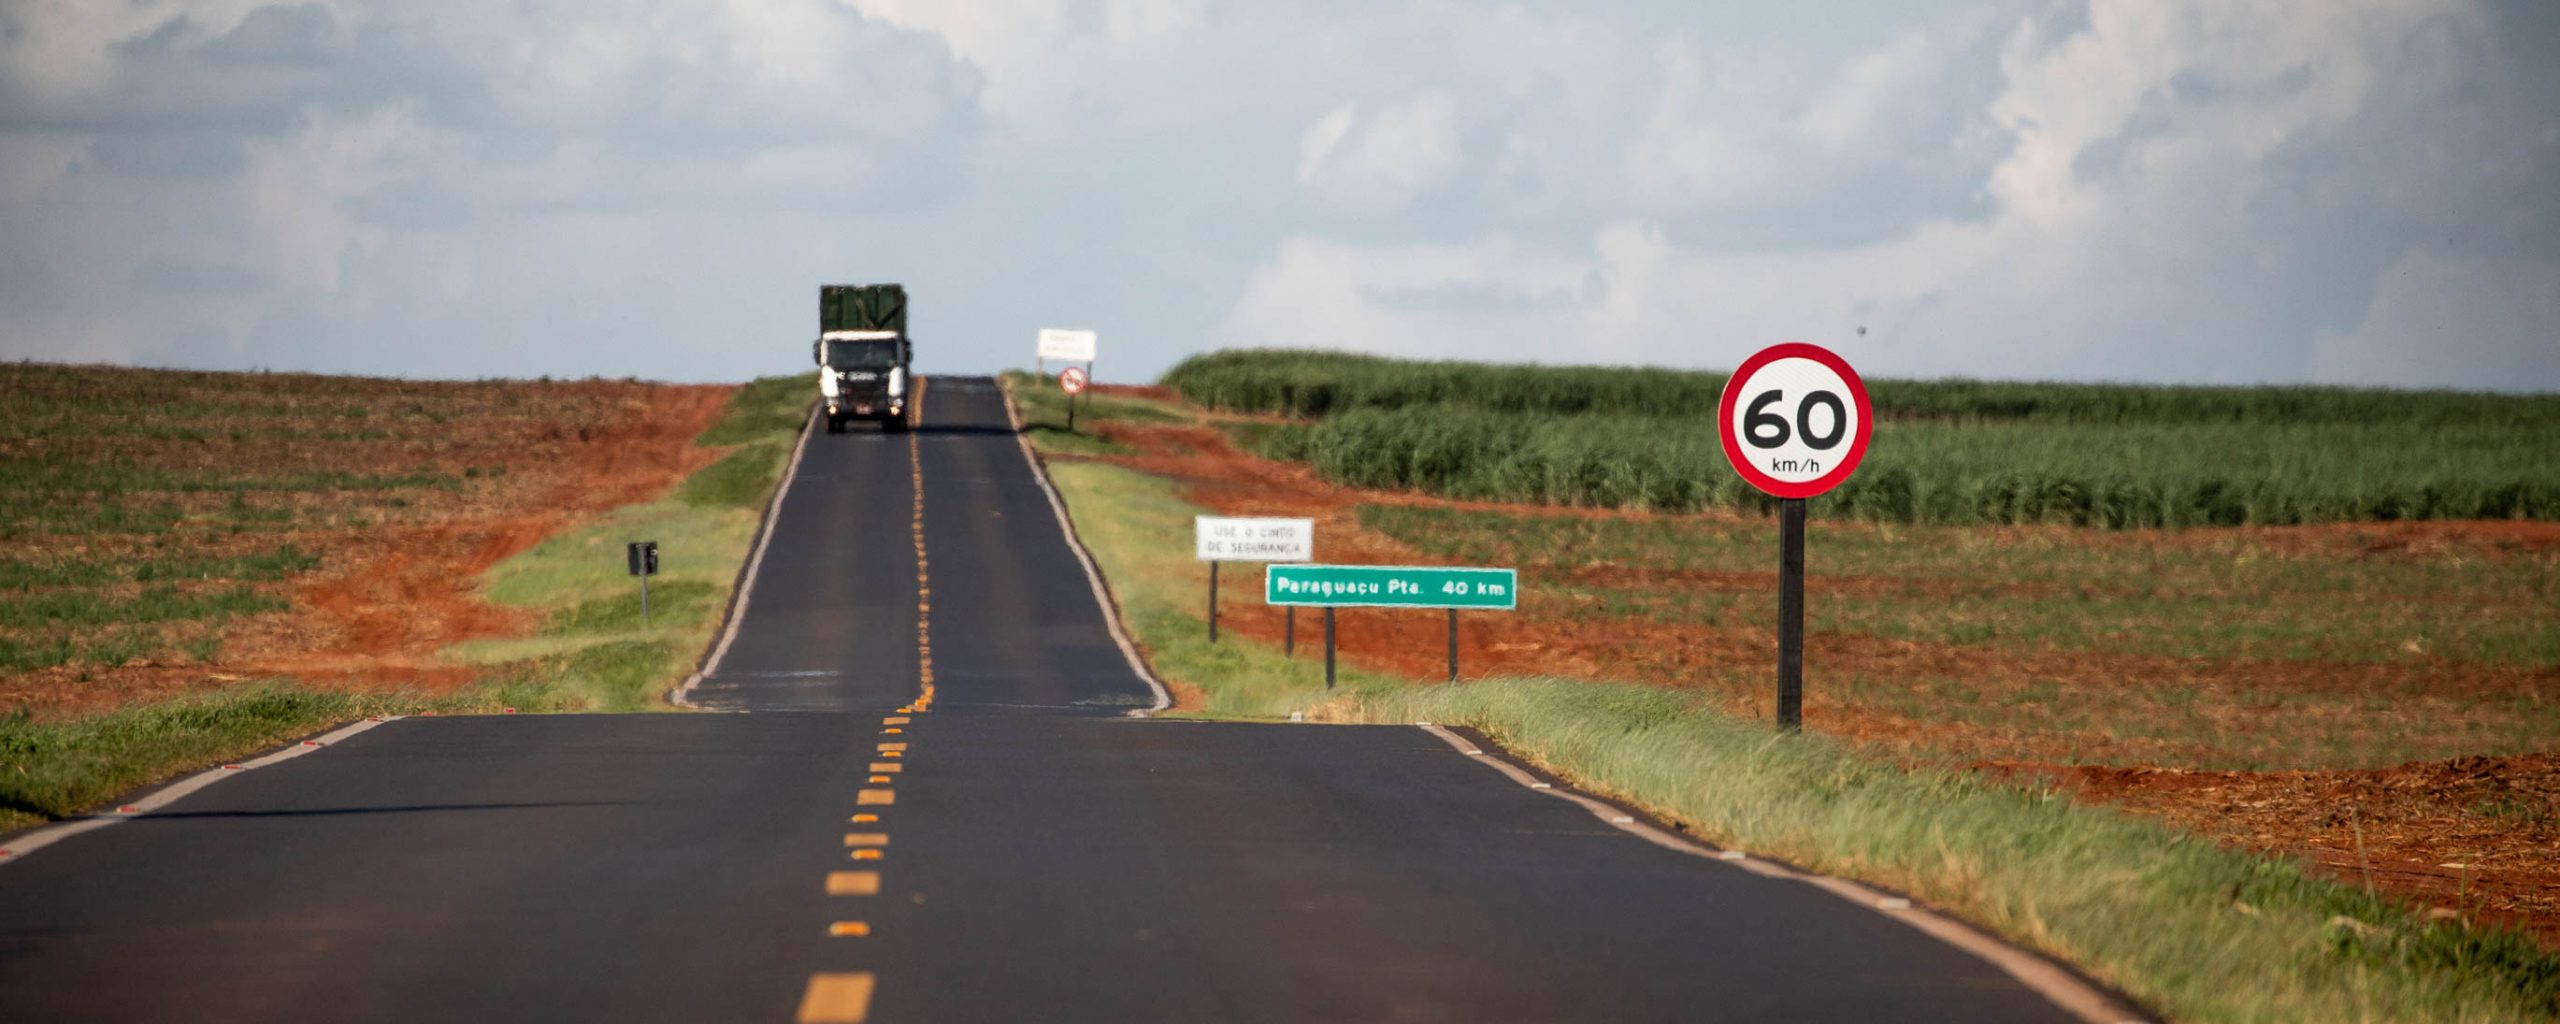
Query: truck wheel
{"type": "Point", "coordinates": [834, 425]}
{"type": "Point", "coordinates": [894, 425]}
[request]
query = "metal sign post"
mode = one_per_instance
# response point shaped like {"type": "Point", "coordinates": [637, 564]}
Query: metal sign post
{"type": "Point", "coordinates": [1067, 346]}
{"type": "Point", "coordinates": [1791, 613]}
{"type": "Point", "coordinates": [642, 556]}
{"type": "Point", "coordinates": [1453, 645]}
{"type": "Point", "coordinates": [1071, 380]}
{"type": "Point", "coordinates": [1216, 539]}
{"type": "Point", "coordinates": [1795, 421]}
{"type": "Point", "coordinates": [1328, 649]}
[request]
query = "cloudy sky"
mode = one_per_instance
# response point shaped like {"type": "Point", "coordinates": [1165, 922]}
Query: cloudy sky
{"type": "Point", "coordinates": [2342, 191]}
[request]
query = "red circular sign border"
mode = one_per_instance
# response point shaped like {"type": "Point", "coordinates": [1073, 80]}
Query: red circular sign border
{"type": "Point", "coordinates": [1733, 445]}
{"type": "Point", "coordinates": [1078, 386]}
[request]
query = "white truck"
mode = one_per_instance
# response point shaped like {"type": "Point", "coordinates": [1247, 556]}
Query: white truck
{"type": "Point", "coordinates": [864, 355]}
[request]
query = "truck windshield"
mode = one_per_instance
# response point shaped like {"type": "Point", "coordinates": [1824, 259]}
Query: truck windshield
{"type": "Point", "coordinates": [863, 355]}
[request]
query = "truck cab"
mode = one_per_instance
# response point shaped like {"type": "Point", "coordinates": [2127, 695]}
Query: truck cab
{"type": "Point", "coordinates": [863, 375]}
{"type": "Point", "coordinates": [863, 355]}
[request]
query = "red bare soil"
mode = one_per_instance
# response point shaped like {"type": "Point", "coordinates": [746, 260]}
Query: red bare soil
{"type": "Point", "coordinates": [2473, 835]}
{"type": "Point", "coordinates": [2494, 817]}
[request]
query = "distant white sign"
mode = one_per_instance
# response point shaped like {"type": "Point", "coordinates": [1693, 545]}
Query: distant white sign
{"type": "Point", "coordinates": [1066, 346]}
{"type": "Point", "coordinates": [1253, 540]}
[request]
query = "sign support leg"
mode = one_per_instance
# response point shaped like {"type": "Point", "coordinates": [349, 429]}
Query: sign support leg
{"type": "Point", "coordinates": [1289, 632]}
{"type": "Point", "coordinates": [1213, 602]}
{"type": "Point", "coordinates": [644, 601]}
{"type": "Point", "coordinates": [1328, 650]}
{"type": "Point", "coordinates": [1790, 614]}
{"type": "Point", "coordinates": [1453, 645]}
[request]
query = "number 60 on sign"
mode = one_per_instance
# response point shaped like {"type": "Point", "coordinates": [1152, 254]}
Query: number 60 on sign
{"type": "Point", "coordinates": [1795, 420]}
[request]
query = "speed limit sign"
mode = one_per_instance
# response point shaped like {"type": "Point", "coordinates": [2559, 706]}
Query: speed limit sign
{"type": "Point", "coordinates": [1795, 420]}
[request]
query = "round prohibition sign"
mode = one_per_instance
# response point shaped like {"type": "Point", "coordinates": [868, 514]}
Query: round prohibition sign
{"type": "Point", "coordinates": [1071, 380]}
{"type": "Point", "coordinates": [1794, 419]}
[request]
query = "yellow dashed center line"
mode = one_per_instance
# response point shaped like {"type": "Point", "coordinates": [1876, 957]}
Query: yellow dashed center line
{"type": "Point", "coordinates": [924, 583]}
{"type": "Point", "coordinates": [836, 999]}
{"type": "Point", "coordinates": [845, 996]}
{"type": "Point", "coordinates": [853, 883]}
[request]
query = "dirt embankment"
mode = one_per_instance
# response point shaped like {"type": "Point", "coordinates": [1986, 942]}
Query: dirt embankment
{"type": "Point", "coordinates": [2474, 836]}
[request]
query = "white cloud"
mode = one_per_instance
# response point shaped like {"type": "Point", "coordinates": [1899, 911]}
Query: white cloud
{"type": "Point", "coordinates": [62, 49]}
{"type": "Point", "coordinates": [1386, 159]}
{"type": "Point", "coordinates": [1703, 139]}
{"type": "Point", "coordinates": [2154, 189]}
{"type": "Point", "coordinates": [2443, 321]}
{"type": "Point", "coordinates": [1322, 138]}
{"type": "Point", "coordinates": [1870, 89]}
{"type": "Point", "coordinates": [297, 189]}
{"type": "Point", "coordinates": [2148, 220]}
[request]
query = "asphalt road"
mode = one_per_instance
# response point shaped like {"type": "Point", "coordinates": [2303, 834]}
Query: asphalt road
{"type": "Point", "coordinates": [1020, 851]}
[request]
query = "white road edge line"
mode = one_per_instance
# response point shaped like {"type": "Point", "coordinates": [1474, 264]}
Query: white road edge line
{"type": "Point", "coordinates": [1092, 575]}
{"type": "Point", "coordinates": [682, 695]}
{"type": "Point", "coordinates": [17, 849]}
{"type": "Point", "coordinates": [2061, 987]}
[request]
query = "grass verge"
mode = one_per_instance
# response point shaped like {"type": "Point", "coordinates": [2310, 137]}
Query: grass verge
{"type": "Point", "coordinates": [595, 651]}
{"type": "Point", "coordinates": [593, 654]}
{"type": "Point", "coordinates": [2194, 930]}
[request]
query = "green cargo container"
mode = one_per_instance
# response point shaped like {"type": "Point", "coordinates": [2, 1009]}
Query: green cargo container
{"type": "Point", "coordinates": [862, 307]}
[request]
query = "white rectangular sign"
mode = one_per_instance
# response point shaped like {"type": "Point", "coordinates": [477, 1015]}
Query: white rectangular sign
{"type": "Point", "coordinates": [1066, 346]}
{"type": "Point", "coordinates": [1253, 540]}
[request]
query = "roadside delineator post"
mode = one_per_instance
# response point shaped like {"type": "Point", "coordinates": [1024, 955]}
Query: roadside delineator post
{"type": "Point", "coordinates": [1794, 419]}
{"type": "Point", "coordinates": [643, 558]}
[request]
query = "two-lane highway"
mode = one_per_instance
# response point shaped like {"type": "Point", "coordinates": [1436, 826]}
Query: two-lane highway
{"type": "Point", "coordinates": [935, 809]}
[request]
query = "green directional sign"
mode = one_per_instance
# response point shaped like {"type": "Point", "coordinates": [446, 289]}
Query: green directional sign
{"type": "Point", "coordinates": [1391, 586]}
